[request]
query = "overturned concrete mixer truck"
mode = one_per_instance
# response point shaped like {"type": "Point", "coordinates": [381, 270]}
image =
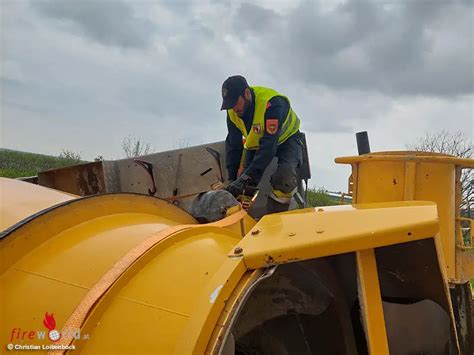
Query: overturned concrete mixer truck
{"type": "Point", "coordinates": [128, 272]}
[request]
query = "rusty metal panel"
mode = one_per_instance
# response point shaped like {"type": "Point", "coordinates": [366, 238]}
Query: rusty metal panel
{"type": "Point", "coordinates": [180, 172]}
{"type": "Point", "coordinates": [83, 179]}
{"type": "Point", "coordinates": [176, 173]}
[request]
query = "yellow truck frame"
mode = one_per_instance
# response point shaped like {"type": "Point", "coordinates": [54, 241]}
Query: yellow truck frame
{"type": "Point", "coordinates": [129, 273]}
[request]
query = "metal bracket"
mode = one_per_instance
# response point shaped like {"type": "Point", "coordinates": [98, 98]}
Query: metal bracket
{"type": "Point", "coordinates": [217, 157]}
{"type": "Point", "coordinates": [149, 169]}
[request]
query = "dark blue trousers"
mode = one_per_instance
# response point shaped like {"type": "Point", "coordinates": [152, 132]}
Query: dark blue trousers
{"type": "Point", "coordinates": [285, 178]}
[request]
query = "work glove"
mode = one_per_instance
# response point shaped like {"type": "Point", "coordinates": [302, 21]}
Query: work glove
{"type": "Point", "coordinates": [237, 187]}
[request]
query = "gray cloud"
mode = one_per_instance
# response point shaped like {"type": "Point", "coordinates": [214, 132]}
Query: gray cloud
{"type": "Point", "coordinates": [379, 66]}
{"type": "Point", "coordinates": [111, 23]}
{"type": "Point", "coordinates": [253, 18]}
{"type": "Point", "coordinates": [402, 48]}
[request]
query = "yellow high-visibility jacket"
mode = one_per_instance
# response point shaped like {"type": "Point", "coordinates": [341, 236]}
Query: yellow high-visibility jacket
{"type": "Point", "coordinates": [290, 126]}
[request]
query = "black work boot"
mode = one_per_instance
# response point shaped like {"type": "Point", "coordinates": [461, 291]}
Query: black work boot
{"type": "Point", "coordinates": [275, 206]}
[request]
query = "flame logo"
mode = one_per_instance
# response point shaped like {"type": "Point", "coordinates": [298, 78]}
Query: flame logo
{"type": "Point", "coordinates": [49, 321]}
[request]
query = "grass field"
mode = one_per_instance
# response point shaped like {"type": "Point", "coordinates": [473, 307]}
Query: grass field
{"type": "Point", "coordinates": [318, 197]}
{"type": "Point", "coordinates": [15, 164]}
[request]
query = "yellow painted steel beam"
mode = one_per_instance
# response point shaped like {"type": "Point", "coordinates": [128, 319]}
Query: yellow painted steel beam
{"type": "Point", "coordinates": [334, 230]}
{"type": "Point", "coordinates": [408, 156]}
{"type": "Point", "coordinates": [371, 302]}
{"type": "Point", "coordinates": [466, 264]}
{"type": "Point", "coordinates": [464, 251]}
{"type": "Point", "coordinates": [410, 181]}
{"type": "Point", "coordinates": [398, 176]}
{"type": "Point", "coordinates": [444, 273]}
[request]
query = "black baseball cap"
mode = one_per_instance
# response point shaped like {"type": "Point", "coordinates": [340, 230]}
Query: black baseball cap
{"type": "Point", "coordinates": [232, 88]}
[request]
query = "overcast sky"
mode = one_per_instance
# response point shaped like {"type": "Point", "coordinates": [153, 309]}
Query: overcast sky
{"type": "Point", "coordinates": [82, 75]}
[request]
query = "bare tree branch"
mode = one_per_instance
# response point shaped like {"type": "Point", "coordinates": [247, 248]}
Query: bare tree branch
{"type": "Point", "coordinates": [134, 147]}
{"type": "Point", "coordinates": [70, 156]}
{"type": "Point", "coordinates": [459, 145]}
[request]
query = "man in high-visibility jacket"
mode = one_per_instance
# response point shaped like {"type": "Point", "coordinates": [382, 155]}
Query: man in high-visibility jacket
{"type": "Point", "coordinates": [269, 126]}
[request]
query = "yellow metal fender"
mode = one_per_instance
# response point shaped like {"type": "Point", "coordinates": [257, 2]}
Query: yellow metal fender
{"type": "Point", "coordinates": [131, 252]}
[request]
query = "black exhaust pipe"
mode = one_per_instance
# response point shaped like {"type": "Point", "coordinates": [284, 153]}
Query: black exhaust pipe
{"type": "Point", "coordinates": [363, 142]}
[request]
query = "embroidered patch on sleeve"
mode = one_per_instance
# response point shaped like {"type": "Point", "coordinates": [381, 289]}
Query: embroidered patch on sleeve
{"type": "Point", "coordinates": [271, 125]}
